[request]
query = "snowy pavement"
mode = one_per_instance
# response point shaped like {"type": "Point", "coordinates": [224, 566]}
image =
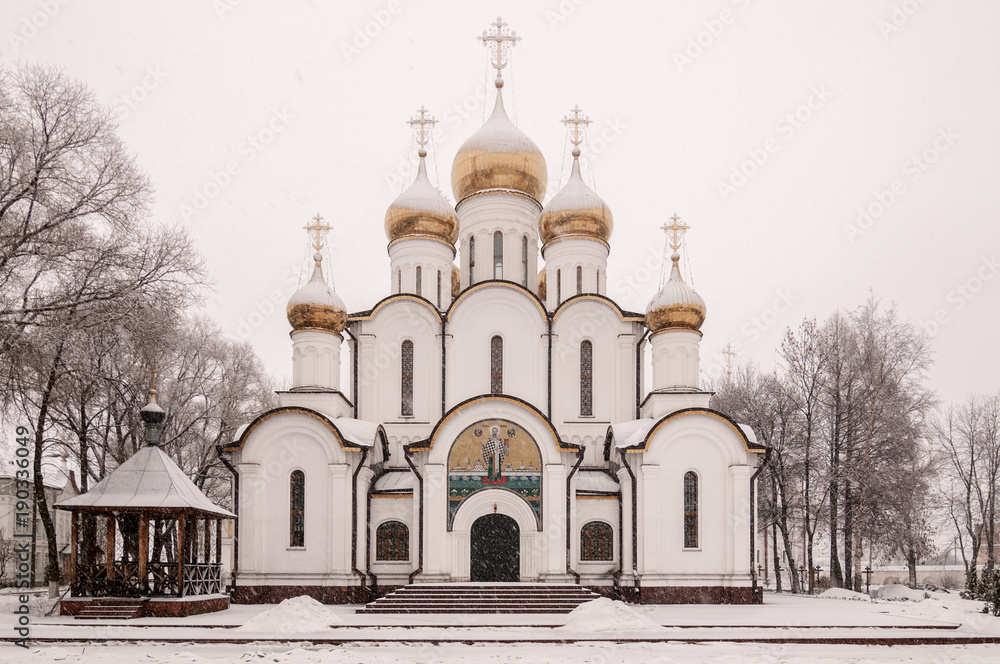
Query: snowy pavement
{"type": "Point", "coordinates": [787, 628]}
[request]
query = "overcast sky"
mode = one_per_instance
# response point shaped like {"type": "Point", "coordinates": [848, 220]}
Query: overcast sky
{"type": "Point", "coordinates": [819, 150]}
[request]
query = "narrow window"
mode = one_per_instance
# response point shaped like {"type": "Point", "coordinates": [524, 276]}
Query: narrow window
{"type": "Point", "coordinates": [524, 261]}
{"type": "Point", "coordinates": [392, 541]}
{"type": "Point", "coordinates": [496, 365]}
{"type": "Point", "coordinates": [690, 510]}
{"type": "Point", "coordinates": [419, 280]}
{"type": "Point", "coordinates": [472, 260]}
{"type": "Point", "coordinates": [439, 289]}
{"type": "Point", "coordinates": [498, 255]}
{"type": "Point", "coordinates": [399, 280]}
{"type": "Point", "coordinates": [558, 287]}
{"type": "Point", "coordinates": [406, 378]}
{"type": "Point", "coordinates": [596, 541]}
{"type": "Point", "coordinates": [579, 279]}
{"type": "Point", "coordinates": [297, 521]}
{"type": "Point", "coordinates": [586, 379]}
{"type": "Point", "coordinates": [598, 291]}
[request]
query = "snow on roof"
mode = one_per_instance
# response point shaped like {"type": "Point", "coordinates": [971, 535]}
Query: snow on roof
{"type": "Point", "coordinates": [748, 432]}
{"type": "Point", "coordinates": [358, 432]}
{"type": "Point", "coordinates": [631, 433]}
{"type": "Point", "coordinates": [239, 432]}
{"type": "Point", "coordinates": [596, 481]}
{"type": "Point", "coordinates": [395, 481]}
{"type": "Point", "coordinates": [149, 479]}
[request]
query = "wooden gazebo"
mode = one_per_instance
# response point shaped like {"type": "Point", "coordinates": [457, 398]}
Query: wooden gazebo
{"type": "Point", "coordinates": [145, 539]}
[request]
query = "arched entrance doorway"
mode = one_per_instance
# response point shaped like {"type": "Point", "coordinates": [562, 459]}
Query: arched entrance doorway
{"type": "Point", "coordinates": [495, 549]}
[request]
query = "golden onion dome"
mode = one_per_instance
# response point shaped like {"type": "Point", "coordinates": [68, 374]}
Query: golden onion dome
{"type": "Point", "coordinates": [676, 305]}
{"type": "Point", "coordinates": [576, 210]}
{"type": "Point", "coordinates": [543, 284]}
{"type": "Point", "coordinates": [316, 305]}
{"type": "Point", "coordinates": [421, 210]}
{"type": "Point", "coordinates": [499, 157]}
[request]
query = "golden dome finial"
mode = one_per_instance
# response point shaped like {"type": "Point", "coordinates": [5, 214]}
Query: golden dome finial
{"type": "Point", "coordinates": [422, 124]}
{"type": "Point", "coordinates": [675, 231]}
{"type": "Point", "coordinates": [317, 231]}
{"type": "Point", "coordinates": [422, 211]}
{"type": "Point", "coordinates": [577, 210]}
{"type": "Point", "coordinates": [316, 305]}
{"type": "Point", "coordinates": [576, 122]}
{"type": "Point", "coordinates": [496, 42]}
{"type": "Point", "coordinates": [676, 305]}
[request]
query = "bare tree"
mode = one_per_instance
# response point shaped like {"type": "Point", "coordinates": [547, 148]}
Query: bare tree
{"type": "Point", "coordinates": [76, 253]}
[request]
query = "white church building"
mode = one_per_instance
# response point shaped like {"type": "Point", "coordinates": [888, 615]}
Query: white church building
{"type": "Point", "coordinates": [494, 426]}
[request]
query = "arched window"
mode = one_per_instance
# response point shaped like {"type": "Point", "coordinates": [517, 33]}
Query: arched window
{"type": "Point", "coordinates": [597, 541]}
{"type": "Point", "coordinates": [586, 379]}
{"type": "Point", "coordinates": [439, 290]}
{"type": "Point", "coordinates": [598, 290]}
{"type": "Point", "coordinates": [498, 255]}
{"type": "Point", "coordinates": [472, 260]}
{"type": "Point", "coordinates": [496, 365]}
{"type": "Point", "coordinates": [392, 541]}
{"type": "Point", "coordinates": [406, 379]}
{"type": "Point", "coordinates": [419, 280]}
{"type": "Point", "coordinates": [297, 504]}
{"type": "Point", "coordinates": [690, 510]}
{"type": "Point", "coordinates": [579, 279]}
{"type": "Point", "coordinates": [558, 287]}
{"type": "Point", "coordinates": [524, 261]}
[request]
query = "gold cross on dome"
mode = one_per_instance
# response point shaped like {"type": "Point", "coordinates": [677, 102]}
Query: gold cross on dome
{"type": "Point", "coordinates": [152, 375]}
{"type": "Point", "coordinates": [318, 230]}
{"type": "Point", "coordinates": [576, 122]}
{"type": "Point", "coordinates": [499, 39]}
{"type": "Point", "coordinates": [422, 123]}
{"type": "Point", "coordinates": [675, 231]}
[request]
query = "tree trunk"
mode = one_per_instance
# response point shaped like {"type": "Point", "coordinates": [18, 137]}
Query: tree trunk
{"type": "Point", "coordinates": [42, 503]}
{"type": "Point", "coordinates": [849, 536]}
{"type": "Point", "coordinates": [911, 563]}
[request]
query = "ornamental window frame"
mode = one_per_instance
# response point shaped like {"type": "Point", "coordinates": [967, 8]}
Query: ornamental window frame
{"type": "Point", "coordinates": [597, 542]}
{"type": "Point", "coordinates": [392, 542]}
{"type": "Point", "coordinates": [691, 495]}
{"type": "Point", "coordinates": [297, 509]}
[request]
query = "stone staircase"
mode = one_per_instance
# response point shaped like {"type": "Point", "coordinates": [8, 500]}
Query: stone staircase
{"type": "Point", "coordinates": [112, 609]}
{"type": "Point", "coordinates": [482, 598]}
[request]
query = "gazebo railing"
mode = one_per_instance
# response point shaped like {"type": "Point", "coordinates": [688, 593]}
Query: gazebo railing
{"type": "Point", "coordinates": [202, 579]}
{"type": "Point", "coordinates": [160, 580]}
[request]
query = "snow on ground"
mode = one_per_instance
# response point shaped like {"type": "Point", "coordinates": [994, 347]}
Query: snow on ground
{"type": "Point", "coordinates": [297, 615]}
{"type": "Point", "coordinates": [936, 605]}
{"type": "Point", "coordinates": [843, 593]}
{"type": "Point", "coordinates": [606, 615]}
{"type": "Point", "coordinates": [602, 653]}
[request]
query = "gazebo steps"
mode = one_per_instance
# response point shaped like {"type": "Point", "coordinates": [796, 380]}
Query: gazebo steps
{"type": "Point", "coordinates": [487, 598]}
{"type": "Point", "coordinates": [120, 609]}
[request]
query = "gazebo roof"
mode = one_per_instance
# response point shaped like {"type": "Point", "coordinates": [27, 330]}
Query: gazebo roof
{"type": "Point", "coordinates": [148, 481]}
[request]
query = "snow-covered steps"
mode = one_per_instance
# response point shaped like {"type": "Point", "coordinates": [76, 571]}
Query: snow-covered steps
{"type": "Point", "coordinates": [482, 598]}
{"type": "Point", "coordinates": [119, 609]}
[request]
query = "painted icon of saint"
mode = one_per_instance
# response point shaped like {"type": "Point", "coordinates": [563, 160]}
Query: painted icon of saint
{"type": "Point", "coordinates": [495, 450]}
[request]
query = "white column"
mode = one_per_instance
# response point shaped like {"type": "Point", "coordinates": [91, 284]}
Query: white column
{"type": "Point", "coordinates": [651, 525]}
{"type": "Point", "coordinates": [460, 556]}
{"type": "Point", "coordinates": [251, 519]}
{"type": "Point", "coordinates": [554, 520]}
{"type": "Point", "coordinates": [530, 546]}
{"type": "Point", "coordinates": [436, 553]}
{"type": "Point", "coordinates": [339, 519]}
{"type": "Point", "coordinates": [740, 528]}
{"type": "Point", "coordinates": [364, 541]}
{"type": "Point", "coordinates": [625, 483]}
